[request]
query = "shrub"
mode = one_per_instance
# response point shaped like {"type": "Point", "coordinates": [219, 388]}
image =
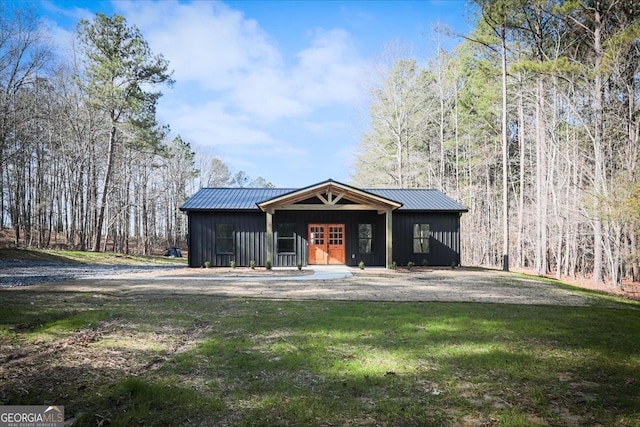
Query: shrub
{"type": "Point", "coordinates": [268, 265]}
{"type": "Point", "coordinates": [361, 265]}
{"type": "Point", "coordinates": [232, 264]}
{"type": "Point", "coordinates": [394, 265]}
{"type": "Point", "coordinates": [410, 265]}
{"type": "Point", "coordinates": [207, 264]}
{"type": "Point", "coordinates": [252, 264]}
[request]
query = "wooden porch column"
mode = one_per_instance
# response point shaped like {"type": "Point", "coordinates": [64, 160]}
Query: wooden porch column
{"type": "Point", "coordinates": [389, 233]}
{"type": "Point", "coordinates": [269, 236]}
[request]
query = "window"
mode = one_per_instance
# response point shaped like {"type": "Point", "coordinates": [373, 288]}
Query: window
{"type": "Point", "coordinates": [316, 233]}
{"type": "Point", "coordinates": [365, 238]}
{"type": "Point", "coordinates": [420, 238]}
{"type": "Point", "coordinates": [336, 235]}
{"type": "Point", "coordinates": [286, 238]}
{"type": "Point", "coordinates": [224, 238]}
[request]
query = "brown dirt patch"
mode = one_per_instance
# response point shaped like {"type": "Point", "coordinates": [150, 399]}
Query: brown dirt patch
{"type": "Point", "coordinates": [372, 284]}
{"type": "Point", "coordinates": [89, 358]}
{"type": "Point", "coordinates": [627, 289]}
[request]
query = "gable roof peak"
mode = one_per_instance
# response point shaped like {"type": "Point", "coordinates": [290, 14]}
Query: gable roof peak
{"type": "Point", "coordinates": [348, 192]}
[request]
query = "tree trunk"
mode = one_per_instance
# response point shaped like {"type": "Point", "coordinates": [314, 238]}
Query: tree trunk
{"type": "Point", "coordinates": [105, 187]}
{"type": "Point", "coordinates": [145, 221]}
{"type": "Point", "coordinates": [521, 147]}
{"type": "Point", "coordinates": [505, 157]}
{"type": "Point", "coordinates": [1, 187]}
{"type": "Point", "coordinates": [635, 269]}
{"type": "Point", "coordinates": [441, 169]}
{"type": "Point", "coordinates": [597, 148]}
{"type": "Point", "coordinates": [541, 181]}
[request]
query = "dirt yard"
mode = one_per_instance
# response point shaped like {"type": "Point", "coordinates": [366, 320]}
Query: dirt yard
{"type": "Point", "coordinates": [462, 285]}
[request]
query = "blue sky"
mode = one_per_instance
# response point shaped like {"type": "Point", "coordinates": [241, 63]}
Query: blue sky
{"type": "Point", "coordinates": [277, 89]}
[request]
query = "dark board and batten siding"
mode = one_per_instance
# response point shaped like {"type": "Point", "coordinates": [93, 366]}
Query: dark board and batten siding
{"type": "Point", "coordinates": [444, 242]}
{"type": "Point", "coordinates": [250, 237]}
{"type": "Point", "coordinates": [249, 231]}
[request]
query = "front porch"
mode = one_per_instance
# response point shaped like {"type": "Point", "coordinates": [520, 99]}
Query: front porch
{"type": "Point", "coordinates": [329, 212]}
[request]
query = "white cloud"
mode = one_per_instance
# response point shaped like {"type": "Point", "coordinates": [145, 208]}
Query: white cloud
{"type": "Point", "coordinates": [221, 50]}
{"type": "Point", "coordinates": [205, 41]}
{"type": "Point", "coordinates": [327, 127]}
{"type": "Point", "coordinates": [62, 38]}
{"type": "Point", "coordinates": [74, 13]}
{"type": "Point", "coordinates": [329, 69]}
{"type": "Point", "coordinates": [210, 125]}
{"type": "Point", "coordinates": [267, 94]}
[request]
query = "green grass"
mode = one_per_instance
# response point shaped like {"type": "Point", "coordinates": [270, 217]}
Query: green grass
{"type": "Point", "coordinates": [205, 360]}
{"type": "Point", "coordinates": [142, 402]}
{"type": "Point", "coordinates": [85, 257]}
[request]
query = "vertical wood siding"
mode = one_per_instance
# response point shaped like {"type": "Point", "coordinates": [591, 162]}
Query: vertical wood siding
{"type": "Point", "coordinates": [249, 230]}
{"type": "Point", "coordinates": [444, 241]}
{"type": "Point", "coordinates": [250, 237]}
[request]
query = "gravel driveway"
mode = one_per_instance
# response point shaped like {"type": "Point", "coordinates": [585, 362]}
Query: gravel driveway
{"type": "Point", "coordinates": [14, 273]}
{"type": "Point", "coordinates": [461, 285]}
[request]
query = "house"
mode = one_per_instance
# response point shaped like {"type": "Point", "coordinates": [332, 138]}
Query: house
{"type": "Point", "coordinates": [324, 223]}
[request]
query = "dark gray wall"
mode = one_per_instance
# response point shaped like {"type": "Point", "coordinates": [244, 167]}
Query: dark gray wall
{"type": "Point", "coordinates": [444, 244]}
{"type": "Point", "coordinates": [250, 237]}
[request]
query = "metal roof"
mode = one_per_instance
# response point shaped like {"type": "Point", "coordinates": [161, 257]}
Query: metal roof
{"type": "Point", "coordinates": [419, 199]}
{"type": "Point", "coordinates": [231, 198]}
{"type": "Point", "coordinates": [247, 198]}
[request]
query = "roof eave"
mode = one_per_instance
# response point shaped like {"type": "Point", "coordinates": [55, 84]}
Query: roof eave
{"type": "Point", "coordinates": [435, 210]}
{"type": "Point", "coordinates": [217, 209]}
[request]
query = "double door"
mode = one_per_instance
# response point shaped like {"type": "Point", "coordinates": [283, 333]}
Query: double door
{"type": "Point", "coordinates": [326, 244]}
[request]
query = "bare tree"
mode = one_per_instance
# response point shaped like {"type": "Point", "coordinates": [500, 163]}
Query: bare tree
{"type": "Point", "coordinates": [23, 53]}
{"type": "Point", "coordinates": [119, 65]}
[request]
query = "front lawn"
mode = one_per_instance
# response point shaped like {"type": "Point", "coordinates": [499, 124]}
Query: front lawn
{"type": "Point", "coordinates": [205, 360]}
{"type": "Point", "coordinates": [86, 257]}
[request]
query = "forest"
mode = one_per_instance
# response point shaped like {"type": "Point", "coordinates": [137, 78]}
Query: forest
{"type": "Point", "coordinates": [532, 121]}
{"type": "Point", "coordinates": [84, 164]}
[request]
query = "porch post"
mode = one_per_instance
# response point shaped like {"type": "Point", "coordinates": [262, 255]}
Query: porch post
{"type": "Point", "coordinates": [269, 236]}
{"type": "Point", "coordinates": [389, 233]}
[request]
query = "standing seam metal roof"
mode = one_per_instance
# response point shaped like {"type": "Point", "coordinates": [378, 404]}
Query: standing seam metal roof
{"type": "Point", "coordinates": [246, 198]}
{"type": "Point", "coordinates": [420, 199]}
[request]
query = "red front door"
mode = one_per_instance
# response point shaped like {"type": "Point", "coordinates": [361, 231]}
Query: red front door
{"type": "Point", "coordinates": [326, 244]}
